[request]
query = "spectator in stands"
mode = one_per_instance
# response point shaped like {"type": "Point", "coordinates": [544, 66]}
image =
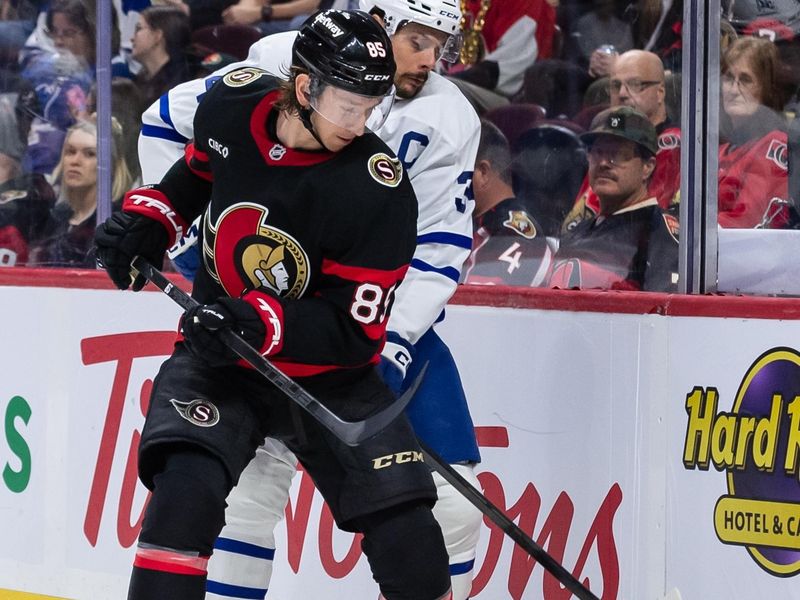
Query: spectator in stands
{"type": "Point", "coordinates": [25, 199]}
{"type": "Point", "coordinates": [127, 108]}
{"type": "Point", "coordinates": [599, 36]}
{"type": "Point", "coordinates": [658, 29]}
{"type": "Point", "coordinates": [753, 165]}
{"type": "Point", "coordinates": [53, 94]}
{"type": "Point", "coordinates": [631, 244]}
{"type": "Point", "coordinates": [158, 44]}
{"type": "Point", "coordinates": [501, 40]}
{"type": "Point", "coordinates": [17, 21]}
{"type": "Point", "coordinates": [68, 237]}
{"type": "Point", "coordinates": [270, 17]}
{"type": "Point", "coordinates": [549, 169]}
{"type": "Point", "coordinates": [637, 80]}
{"type": "Point", "coordinates": [508, 244]}
{"type": "Point", "coordinates": [71, 25]}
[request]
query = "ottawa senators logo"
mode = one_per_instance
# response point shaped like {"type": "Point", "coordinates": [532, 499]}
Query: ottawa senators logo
{"type": "Point", "coordinates": [198, 412]}
{"type": "Point", "coordinates": [668, 141]}
{"type": "Point", "coordinates": [243, 252]}
{"type": "Point", "coordinates": [521, 223]}
{"type": "Point", "coordinates": [385, 170]}
{"type": "Point", "coordinates": [673, 226]}
{"type": "Point", "coordinates": [243, 76]}
{"type": "Point", "coordinates": [777, 153]}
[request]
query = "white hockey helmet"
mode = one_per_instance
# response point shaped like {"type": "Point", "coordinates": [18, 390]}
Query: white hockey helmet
{"type": "Point", "coordinates": [442, 15]}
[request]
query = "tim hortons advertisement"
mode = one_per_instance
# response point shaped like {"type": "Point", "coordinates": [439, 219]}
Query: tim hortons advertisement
{"type": "Point", "coordinates": [585, 422]}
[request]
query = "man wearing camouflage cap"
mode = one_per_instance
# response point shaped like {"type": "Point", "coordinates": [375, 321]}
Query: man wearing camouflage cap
{"type": "Point", "coordinates": [631, 243]}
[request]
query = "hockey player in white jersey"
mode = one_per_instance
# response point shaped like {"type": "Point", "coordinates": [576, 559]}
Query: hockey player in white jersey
{"type": "Point", "coordinates": [435, 133]}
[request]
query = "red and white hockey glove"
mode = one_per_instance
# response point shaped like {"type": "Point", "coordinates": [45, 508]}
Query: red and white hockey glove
{"type": "Point", "coordinates": [146, 227]}
{"type": "Point", "coordinates": [257, 318]}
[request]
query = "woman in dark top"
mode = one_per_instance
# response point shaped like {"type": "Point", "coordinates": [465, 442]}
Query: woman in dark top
{"type": "Point", "coordinates": [159, 41]}
{"type": "Point", "coordinates": [68, 239]}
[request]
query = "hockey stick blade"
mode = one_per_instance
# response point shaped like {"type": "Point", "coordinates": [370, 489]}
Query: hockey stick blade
{"type": "Point", "coordinates": [511, 529]}
{"type": "Point", "coordinates": [351, 433]}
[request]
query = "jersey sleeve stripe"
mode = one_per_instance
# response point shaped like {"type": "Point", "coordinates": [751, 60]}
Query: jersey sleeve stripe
{"type": "Point", "coordinates": [164, 133]}
{"type": "Point", "coordinates": [163, 110]}
{"type": "Point", "coordinates": [443, 237]}
{"type": "Point", "coordinates": [198, 162]}
{"type": "Point", "coordinates": [363, 274]}
{"type": "Point", "coordinates": [449, 272]}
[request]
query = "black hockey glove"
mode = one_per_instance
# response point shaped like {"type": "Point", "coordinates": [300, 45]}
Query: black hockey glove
{"type": "Point", "coordinates": [200, 326]}
{"type": "Point", "coordinates": [124, 236]}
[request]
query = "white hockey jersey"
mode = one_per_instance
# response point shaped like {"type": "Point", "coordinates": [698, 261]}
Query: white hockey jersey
{"type": "Point", "coordinates": [439, 162]}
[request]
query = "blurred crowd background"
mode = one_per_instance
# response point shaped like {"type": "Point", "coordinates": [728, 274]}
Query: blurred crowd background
{"type": "Point", "coordinates": [540, 91]}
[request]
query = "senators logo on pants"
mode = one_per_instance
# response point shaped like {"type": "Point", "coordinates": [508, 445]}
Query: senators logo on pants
{"type": "Point", "coordinates": [243, 252]}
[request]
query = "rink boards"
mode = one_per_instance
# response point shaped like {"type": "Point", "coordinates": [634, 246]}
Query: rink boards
{"type": "Point", "coordinates": [648, 442]}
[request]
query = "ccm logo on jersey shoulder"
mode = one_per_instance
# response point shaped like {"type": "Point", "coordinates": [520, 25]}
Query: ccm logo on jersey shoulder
{"type": "Point", "coordinates": [385, 169]}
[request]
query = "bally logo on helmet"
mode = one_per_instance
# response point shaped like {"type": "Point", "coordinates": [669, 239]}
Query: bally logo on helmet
{"type": "Point", "coordinates": [385, 169]}
{"type": "Point", "coordinates": [326, 21]}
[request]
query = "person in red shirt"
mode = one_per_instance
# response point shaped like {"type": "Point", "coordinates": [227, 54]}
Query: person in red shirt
{"type": "Point", "coordinates": [637, 80]}
{"type": "Point", "coordinates": [501, 40]}
{"type": "Point", "coordinates": [753, 156]}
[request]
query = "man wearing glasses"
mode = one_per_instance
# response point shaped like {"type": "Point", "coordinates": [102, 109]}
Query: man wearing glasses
{"type": "Point", "coordinates": [637, 80]}
{"type": "Point", "coordinates": [631, 243]}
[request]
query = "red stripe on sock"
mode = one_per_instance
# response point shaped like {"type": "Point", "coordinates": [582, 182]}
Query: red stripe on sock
{"type": "Point", "coordinates": [170, 562]}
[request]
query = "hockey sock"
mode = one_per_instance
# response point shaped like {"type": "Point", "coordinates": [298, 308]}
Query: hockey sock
{"type": "Point", "coordinates": [161, 573]}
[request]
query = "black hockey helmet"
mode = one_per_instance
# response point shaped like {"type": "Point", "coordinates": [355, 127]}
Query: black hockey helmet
{"type": "Point", "coordinates": [348, 50]}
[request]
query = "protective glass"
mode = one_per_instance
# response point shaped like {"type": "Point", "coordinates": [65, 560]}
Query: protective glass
{"type": "Point", "coordinates": [349, 110]}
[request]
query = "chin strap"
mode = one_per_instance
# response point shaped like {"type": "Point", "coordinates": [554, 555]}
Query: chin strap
{"type": "Point", "coordinates": [305, 117]}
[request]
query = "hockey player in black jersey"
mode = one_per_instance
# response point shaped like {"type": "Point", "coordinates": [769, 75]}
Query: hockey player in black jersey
{"type": "Point", "coordinates": [309, 224]}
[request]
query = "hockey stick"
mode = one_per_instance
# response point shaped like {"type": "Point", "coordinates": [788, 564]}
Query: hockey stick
{"type": "Point", "coordinates": [511, 529]}
{"type": "Point", "coordinates": [351, 433]}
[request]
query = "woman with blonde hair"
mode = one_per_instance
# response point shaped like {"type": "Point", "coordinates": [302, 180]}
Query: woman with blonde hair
{"type": "Point", "coordinates": [68, 240]}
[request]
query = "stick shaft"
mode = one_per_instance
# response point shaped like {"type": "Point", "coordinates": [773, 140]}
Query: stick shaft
{"type": "Point", "coordinates": [508, 526]}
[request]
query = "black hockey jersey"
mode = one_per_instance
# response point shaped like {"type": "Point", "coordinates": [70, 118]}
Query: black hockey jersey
{"type": "Point", "coordinates": [508, 248]}
{"type": "Point", "coordinates": [635, 249]}
{"type": "Point", "coordinates": [327, 235]}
